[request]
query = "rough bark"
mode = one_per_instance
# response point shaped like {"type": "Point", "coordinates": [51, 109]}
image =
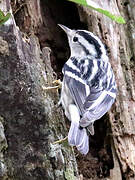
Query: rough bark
{"type": "Point", "coordinates": [30, 120]}
{"type": "Point", "coordinates": [120, 40]}
{"type": "Point", "coordinates": [31, 117]}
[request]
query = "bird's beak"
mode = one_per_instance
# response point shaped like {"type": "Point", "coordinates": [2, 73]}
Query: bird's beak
{"type": "Point", "coordinates": [66, 29]}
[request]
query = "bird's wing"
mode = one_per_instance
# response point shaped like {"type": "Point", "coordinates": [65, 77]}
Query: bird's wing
{"type": "Point", "coordinates": [97, 109]}
{"type": "Point", "coordinates": [102, 94]}
{"type": "Point", "coordinates": [79, 77]}
{"type": "Point", "coordinates": [86, 88]}
{"type": "Point", "coordinates": [78, 91]}
{"type": "Point", "coordinates": [78, 88]}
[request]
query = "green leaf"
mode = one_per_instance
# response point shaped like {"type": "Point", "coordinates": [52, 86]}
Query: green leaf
{"type": "Point", "coordinates": [95, 6]}
{"type": "Point", "coordinates": [83, 2]}
{"type": "Point", "coordinates": [4, 18]}
{"type": "Point", "coordinates": [1, 14]}
{"type": "Point", "coordinates": [118, 19]}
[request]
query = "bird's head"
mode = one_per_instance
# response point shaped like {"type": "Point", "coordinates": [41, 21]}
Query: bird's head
{"type": "Point", "coordinates": [83, 43]}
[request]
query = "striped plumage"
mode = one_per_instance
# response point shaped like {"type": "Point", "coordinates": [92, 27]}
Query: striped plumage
{"type": "Point", "coordinates": [88, 87]}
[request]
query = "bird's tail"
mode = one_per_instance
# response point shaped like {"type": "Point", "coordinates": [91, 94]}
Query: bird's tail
{"type": "Point", "coordinates": [78, 137]}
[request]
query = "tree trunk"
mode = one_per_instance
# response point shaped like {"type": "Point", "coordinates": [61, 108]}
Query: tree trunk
{"type": "Point", "coordinates": [120, 41]}
{"type": "Point", "coordinates": [31, 58]}
{"type": "Point", "coordinates": [29, 112]}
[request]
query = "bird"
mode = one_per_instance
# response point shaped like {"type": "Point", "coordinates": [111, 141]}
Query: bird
{"type": "Point", "coordinates": [88, 87]}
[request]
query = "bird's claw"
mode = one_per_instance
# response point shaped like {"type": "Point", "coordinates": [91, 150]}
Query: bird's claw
{"type": "Point", "coordinates": [61, 140]}
{"type": "Point", "coordinates": [57, 85]}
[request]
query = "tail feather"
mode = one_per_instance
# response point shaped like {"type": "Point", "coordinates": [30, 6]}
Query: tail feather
{"type": "Point", "coordinates": [76, 136]}
{"type": "Point", "coordinates": [79, 138]}
{"type": "Point", "coordinates": [84, 146]}
{"type": "Point", "coordinates": [73, 133]}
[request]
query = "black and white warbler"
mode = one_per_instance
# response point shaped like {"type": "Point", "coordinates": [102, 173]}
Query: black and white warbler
{"type": "Point", "coordinates": [88, 87]}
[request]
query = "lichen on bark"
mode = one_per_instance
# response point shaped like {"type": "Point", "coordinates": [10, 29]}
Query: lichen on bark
{"type": "Point", "coordinates": [32, 119]}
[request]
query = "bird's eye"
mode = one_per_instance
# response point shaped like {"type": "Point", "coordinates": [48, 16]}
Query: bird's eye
{"type": "Point", "coordinates": [75, 39]}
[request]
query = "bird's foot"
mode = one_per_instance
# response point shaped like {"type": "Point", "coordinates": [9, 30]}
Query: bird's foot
{"type": "Point", "coordinates": [57, 85]}
{"type": "Point", "coordinates": [61, 140]}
